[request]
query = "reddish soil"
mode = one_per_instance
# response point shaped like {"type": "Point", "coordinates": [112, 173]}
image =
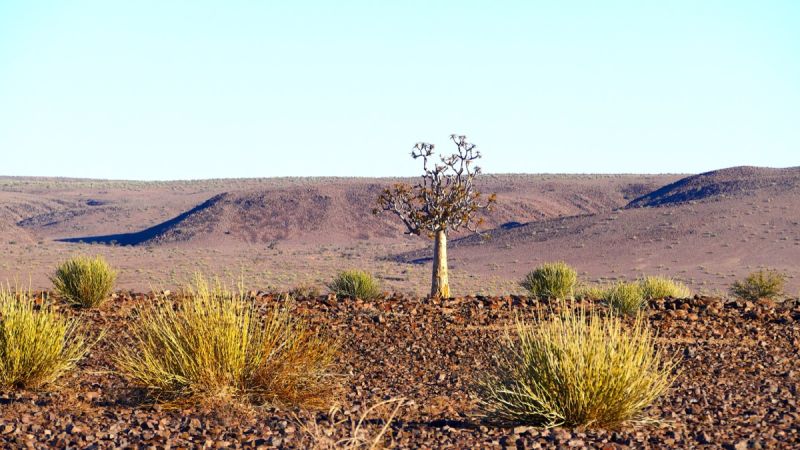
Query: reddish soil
{"type": "Point", "coordinates": [737, 385]}
{"type": "Point", "coordinates": [739, 380]}
{"type": "Point", "coordinates": [321, 211]}
{"type": "Point", "coordinates": [278, 232]}
{"type": "Point", "coordinates": [706, 230]}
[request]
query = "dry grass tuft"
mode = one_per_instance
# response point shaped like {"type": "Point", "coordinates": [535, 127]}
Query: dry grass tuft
{"type": "Point", "coordinates": [551, 280]}
{"type": "Point", "coordinates": [597, 292]}
{"type": "Point", "coordinates": [359, 436]}
{"type": "Point", "coordinates": [576, 369]}
{"type": "Point", "coordinates": [37, 345]}
{"type": "Point", "coordinates": [84, 281]}
{"type": "Point", "coordinates": [761, 284]}
{"type": "Point", "coordinates": [630, 298]}
{"type": "Point", "coordinates": [661, 287]}
{"type": "Point", "coordinates": [214, 344]}
{"type": "Point", "coordinates": [355, 284]}
{"type": "Point", "coordinates": [625, 298]}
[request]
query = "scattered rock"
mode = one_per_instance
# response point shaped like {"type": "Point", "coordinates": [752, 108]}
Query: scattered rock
{"type": "Point", "coordinates": [738, 378]}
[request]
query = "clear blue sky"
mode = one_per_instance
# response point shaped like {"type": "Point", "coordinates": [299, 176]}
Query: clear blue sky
{"type": "Point", "coordinates": [199, 89]}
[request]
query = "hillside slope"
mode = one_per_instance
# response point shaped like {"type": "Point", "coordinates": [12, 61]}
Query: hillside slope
{"type": "Point", "coordinates": [734, 182]}
{"type": "Point", "coordinates": [713, 227]}
{"type": "Point", "coordinates": [340, 211]}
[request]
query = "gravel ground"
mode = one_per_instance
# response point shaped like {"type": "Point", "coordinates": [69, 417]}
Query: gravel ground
{"type": "Point", "coordinates": [737, 387]}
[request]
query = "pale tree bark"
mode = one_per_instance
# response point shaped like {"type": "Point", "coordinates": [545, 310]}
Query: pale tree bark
{"type": "Point", "coordinates": [440, 284]}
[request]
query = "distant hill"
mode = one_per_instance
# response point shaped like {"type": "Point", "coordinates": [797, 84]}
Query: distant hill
{"type": "Point", "coordinates": [731, 182]}
{"type": "Point", "coordinates": [707, 229]}
{"type": "Point", "coordinates": [713, 227]}
{"type": "Point", "coordinates": [334, 211]}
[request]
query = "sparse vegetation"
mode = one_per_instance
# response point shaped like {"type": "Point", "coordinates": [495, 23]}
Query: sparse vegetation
{"type": "Point", "coordinates": [625, 297]}
{"type": "Point", "coordinates": [576, 368]}
{"type": "Point", "coordinates": [630, 297]}
{"type": "Point", "coordinates": [760, 284]}
{"type": "Point", "coordinates": [662, 287]}
{"type": "Point", "coordinates": [37, 344]}
{"type": "Point", "coordinates": [359, 436]}
{"type": "Point", "coordinates": [355, 284]}
{"type": "Point", "coordinates": [84, 281]}
{"type": "Point", "coordinates": [591, 292]}
{"type": "Point", "coordinates": [551, 280]}
{"type": "Point", "coordinates": [214, 343]}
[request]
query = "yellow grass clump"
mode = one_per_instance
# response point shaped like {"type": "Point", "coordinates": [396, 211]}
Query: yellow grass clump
{"type": "Point", "coordinates": [37, 344]}
{"type": "Point", "coordinates": [596, 292]}
{"type": "Point", "coordinates": [355, 284]}
{"type": "Point", "coordinates": [215, 344]}
{"type": "Point", "coordinates": [625, 297]}
{"type": "Point", "coordinates": [551, 280]}
{"type": "Point", "coordinates": [84, 281]}
{"type": "Point", "coordinates": [576, 368]}
{"type": "Point", "coordinates": [661, 287]}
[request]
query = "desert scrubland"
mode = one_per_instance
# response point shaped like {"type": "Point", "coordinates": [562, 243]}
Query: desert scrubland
{"type": "Point", "coordinates": [698, 356]}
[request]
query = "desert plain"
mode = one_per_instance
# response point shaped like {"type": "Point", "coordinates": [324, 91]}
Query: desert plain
{"type": "Point", "coordinates": [739, 377]}
{"type": "Point", "coordinates": [278, 233]}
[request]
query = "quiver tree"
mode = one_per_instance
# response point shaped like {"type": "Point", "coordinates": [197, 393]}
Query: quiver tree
{"type": "Point", "coordinates": [445, 200]}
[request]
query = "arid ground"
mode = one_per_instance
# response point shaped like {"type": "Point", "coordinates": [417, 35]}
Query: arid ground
{"type": "Point", "coordinates": [738, 381]}
{"type": "Point", "coordinates": [737, 385]}
{"type": "Point", "coordinates": [279, 233]}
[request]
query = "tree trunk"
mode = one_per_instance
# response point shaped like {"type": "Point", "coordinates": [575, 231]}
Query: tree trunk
{"type": "Point", "coordinates": [440, 285]}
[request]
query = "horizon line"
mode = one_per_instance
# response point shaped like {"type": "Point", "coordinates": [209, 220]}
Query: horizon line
{"type": "Point", "coordinates": [362, 177]}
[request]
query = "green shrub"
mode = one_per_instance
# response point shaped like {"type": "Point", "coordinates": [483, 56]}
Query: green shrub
{"type": "Point", "coordinates": [355, 284]}
{"type": "Point", "coordinates": [84, 281]}
{"type": "Point", "coordinates": [575, 369]}
{"type": "Point", "coordinates": [662, 287]}
{"type": "Point", "coordinates": [551, 280]}
{"type": "Point", "coordinates": [37, 345]}
{"type": "Point", "coordinates": [760, 284]}
{"type": "Point", "coordinates": [214, 344]}
{"type": "Point", "coordinates": [626, 298]}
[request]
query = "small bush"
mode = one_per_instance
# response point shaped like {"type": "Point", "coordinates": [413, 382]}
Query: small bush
{"type": "Point", "coordinates": [551, 280]}
{"type": "Point", "coordinates": [37, 345]}
{"type": "Point", "coordinates": [355, 284]}
{"type": "Point", "coordinates": [760, 284]}
{"type": "Point", "coordinates": [626, 298]}
{"type": "Point", "coordinates": [662, 287]}
{"type": "Point", "coordinates": [214, 344]}
{"type": "Point", "coordinates": [576, 369]}
{"type": "Point", "coordinates": [591, 293]}
{"type": "Point", "coordinates": [84, 281]}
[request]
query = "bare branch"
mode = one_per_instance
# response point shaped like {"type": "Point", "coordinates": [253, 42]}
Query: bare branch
{"type": "Point", "coordinates": [445, 199]}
